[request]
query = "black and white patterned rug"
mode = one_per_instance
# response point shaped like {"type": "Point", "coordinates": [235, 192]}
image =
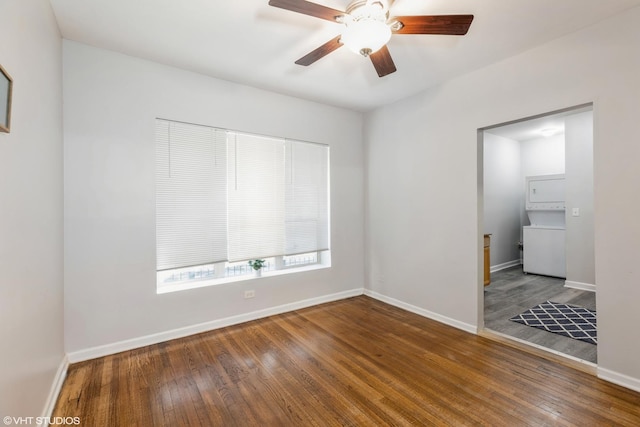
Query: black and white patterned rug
{"type": "Point", "coordinates": [564, 319]}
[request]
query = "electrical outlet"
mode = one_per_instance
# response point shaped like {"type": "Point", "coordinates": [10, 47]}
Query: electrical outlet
{"type": "Point", "coordinates": [249, 294]}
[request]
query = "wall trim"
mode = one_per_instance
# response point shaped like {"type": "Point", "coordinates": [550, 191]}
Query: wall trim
{"type": "Point", "coordinates": [130, 344]}
{"type": "Point", "coordinates": [505, 265]}
{"type": "Point", "coordinates": [422, 312]}
{"type": "Point", "coordinates": [579, 285]}
{"type": "Point", "coordinates": [620, 379]}
{"type": "Point", "coordinates": [56, 386]}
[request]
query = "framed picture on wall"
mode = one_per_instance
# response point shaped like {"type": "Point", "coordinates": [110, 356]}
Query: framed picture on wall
{"type": "Point", "coordinates": [5, 100]}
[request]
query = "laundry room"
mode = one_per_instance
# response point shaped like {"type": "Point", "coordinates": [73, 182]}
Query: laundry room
{"type": "Point", "coordinates": [538, 196]}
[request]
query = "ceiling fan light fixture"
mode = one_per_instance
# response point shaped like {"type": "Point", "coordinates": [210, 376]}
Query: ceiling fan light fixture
{"type": "Point", "coordinates": [365, 36]}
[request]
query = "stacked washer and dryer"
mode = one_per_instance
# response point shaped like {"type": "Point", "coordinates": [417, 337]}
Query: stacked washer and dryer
{"type": "Point", "coordinates": [544, 240]}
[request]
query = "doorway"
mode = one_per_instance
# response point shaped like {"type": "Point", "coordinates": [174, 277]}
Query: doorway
{"type": "Point", "coordinates": [554, 144]}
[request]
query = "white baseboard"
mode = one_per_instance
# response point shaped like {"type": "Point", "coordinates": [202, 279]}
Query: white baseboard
{"type": "Point", "coordinates": [56, 386]}
{"type": "Point", "coordinates": [505, 265]}
{"type": "Point", "coordinates": [579, 285]}
{"type": "Point", "coordinates": [422, 312]}
{"type": "Point", "coordinates": [620, 379]}
{"type": "Point", "coordinates": [117, 347]}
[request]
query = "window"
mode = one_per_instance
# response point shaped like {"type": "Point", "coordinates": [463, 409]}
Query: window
{"type": "Point", "coordinates": [224, 198]}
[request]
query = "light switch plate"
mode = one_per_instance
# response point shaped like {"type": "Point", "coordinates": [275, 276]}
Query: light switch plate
{"type": "Point", "coordinates": [575, 212]}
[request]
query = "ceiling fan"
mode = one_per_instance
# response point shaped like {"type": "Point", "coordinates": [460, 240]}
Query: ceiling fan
{"type": "Point", "coordinates": [367, 28]}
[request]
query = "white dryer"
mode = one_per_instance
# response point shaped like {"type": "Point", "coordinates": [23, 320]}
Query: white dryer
{"type": "Point", "coordinates": [544, 240]}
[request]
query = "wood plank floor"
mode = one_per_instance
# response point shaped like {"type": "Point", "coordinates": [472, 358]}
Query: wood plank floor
{"type": "Point", "coordinates": [511, 292]}
{"type": "Point", "coordinates": [355, 362]}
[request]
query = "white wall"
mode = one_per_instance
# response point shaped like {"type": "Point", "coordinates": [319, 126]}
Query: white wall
{"type": "Point", "coordinates": [424, 228]}
{"type": "Point", "coordinates": [31, 287]}
{"type": "Point", "coordinates": [579, 189]}
{"type": "Point", "coordinates": [502, 197]}
{"type": "Point", "coordinates": [111, 102]}
{"type": "Point", "coordinates": [542, 156]}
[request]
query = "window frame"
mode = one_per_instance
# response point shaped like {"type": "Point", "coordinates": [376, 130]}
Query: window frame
{"type": "Point", "coordinates": [323, 262]}
{"type": "Point", "coordinates": [219, 274]}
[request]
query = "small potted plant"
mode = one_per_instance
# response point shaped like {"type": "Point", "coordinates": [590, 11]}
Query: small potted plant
{"type": "Point", "coordinates": [257, 265]}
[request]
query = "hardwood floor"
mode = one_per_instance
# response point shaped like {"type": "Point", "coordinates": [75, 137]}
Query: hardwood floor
{"type": "Point", "coordinates": [511, 292]}
{"type": "Point", "coordinates": [355, 362]}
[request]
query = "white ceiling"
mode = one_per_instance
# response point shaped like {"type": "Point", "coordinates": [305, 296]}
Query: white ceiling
{"type": "Point", "coordinates": [252, 43]}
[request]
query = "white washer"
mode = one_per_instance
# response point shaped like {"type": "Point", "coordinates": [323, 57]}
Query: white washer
{"type": "Point", "coordinates": [544, 250]}
{"type": "Point", "coordinates": [544, 240]}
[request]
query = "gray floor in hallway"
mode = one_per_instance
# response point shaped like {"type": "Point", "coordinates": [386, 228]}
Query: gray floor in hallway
{"type": "Point", "coordinates": [511, 292]}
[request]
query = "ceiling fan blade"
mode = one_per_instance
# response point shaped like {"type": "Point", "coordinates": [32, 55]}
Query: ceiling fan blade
{"type": "Point", "coordinates": [456, 25]}
{"type": "Point", "coordinates": [382, 62]}
{"type": "Point", "coordinates": [320, 52]}
{"type": "Point", "coordinates": [308, 8]}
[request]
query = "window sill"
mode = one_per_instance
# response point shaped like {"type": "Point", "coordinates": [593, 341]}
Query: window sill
{"type": "Point", "coordinates": [194, 284]}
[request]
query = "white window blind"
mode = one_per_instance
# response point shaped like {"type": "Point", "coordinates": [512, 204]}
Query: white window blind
{"type": "Point", "coordinates": [191, 199]}
{"type": "Point", "coordinates": [256, 196]}
{"type": "Point", "coordinates": [229, 196]}
{"type": "Point", "coordinates": [307, 198]}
